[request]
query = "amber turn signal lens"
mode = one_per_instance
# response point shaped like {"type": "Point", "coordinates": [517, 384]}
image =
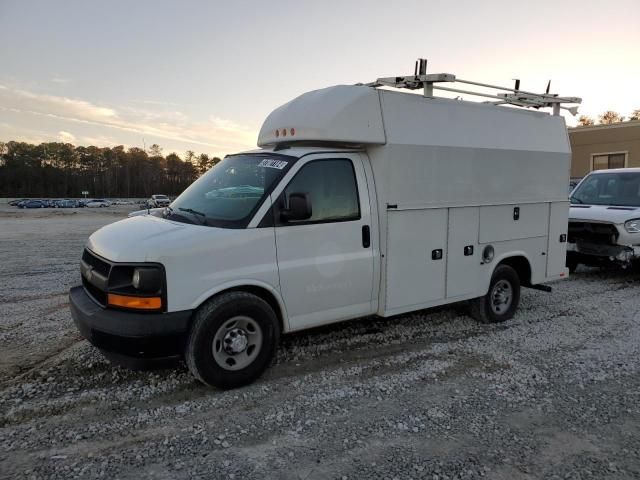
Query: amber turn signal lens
{"type": "Point", "coordinates": [139, 303]}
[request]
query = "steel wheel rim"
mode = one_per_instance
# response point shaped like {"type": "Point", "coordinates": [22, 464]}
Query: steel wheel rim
{"type": "Point", "coordinates": [501, 297]}
{"type": "Point", "coordinates": [237, 343]}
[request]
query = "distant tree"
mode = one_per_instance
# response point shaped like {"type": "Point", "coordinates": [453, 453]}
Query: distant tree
{"type": "Point", "coordinates": [155, 150]}
{"type": "Point", "coordinates": [204, 163]}
{"type": "Point", "coordinates": [610, 117]}
{"type": "Point", "coordinates": [635, 115]}
{"type": "Point", "coordinates": [585, 121]}
{"type": "Point", "coordinates": [189, 156]}
{"type": "Point", "coordinates": [3, 150]}
{"type": "Point", "coordinates": [62, 170]}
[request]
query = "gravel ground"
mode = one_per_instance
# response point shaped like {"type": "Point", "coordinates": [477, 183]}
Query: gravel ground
{"type": "Point", "coordinates": [553, 393]}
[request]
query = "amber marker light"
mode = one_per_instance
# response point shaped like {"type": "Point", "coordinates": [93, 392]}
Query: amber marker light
{"type": "Point", "coordinates": [138, 303]}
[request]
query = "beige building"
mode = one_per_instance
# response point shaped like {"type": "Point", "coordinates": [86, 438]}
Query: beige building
{"type": "Point", "coordinates": [604, 146]}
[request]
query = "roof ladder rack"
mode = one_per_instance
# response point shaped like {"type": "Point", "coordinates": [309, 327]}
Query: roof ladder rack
{"type": "Point", "coordinates": [509, 96]}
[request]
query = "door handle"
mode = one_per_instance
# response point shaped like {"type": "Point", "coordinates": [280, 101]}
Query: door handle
{"type": "Point", "coordinates": [366, 236]}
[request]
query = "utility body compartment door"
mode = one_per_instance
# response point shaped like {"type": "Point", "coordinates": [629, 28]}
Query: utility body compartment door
{"type": "Point", "coordinates": [512, 222]}
{"type": "Point", "coordinates": [463, 256]}
{"type": "Point", "coordinates": [416, 257]}
{"type": "Point", "coordinates": [557, 249]}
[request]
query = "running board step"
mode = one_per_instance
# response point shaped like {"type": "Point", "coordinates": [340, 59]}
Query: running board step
{"type": "Point", "coordinates": [542, 288]}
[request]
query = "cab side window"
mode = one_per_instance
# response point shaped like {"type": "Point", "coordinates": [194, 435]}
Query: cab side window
{"type": "Point", "coordinates": [332, 189]}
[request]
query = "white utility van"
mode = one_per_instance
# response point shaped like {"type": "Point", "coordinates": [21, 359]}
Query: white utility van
{"type": "Point", "coordinates": [360, 201]}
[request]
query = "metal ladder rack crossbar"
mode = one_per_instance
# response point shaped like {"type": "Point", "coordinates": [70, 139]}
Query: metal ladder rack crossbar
{"type": "Point", "coordinates": [518, 97]}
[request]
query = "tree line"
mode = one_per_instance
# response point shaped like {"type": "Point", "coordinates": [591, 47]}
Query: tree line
{"type": "Point", "coordinates": [64, 170]}
{"type": "Point", "coordinates": [607, 118]}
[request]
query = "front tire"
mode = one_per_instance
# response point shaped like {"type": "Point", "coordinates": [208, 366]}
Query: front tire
{"type": "Point", "coordinates": [232, 341]}
{"type": "Point", "coordinates": [502, 299]}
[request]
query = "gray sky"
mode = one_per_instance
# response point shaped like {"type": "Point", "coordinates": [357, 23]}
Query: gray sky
{"type": "Point", "coordinates": [202, 75]}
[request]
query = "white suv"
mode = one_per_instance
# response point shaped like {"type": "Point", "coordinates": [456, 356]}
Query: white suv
{"type": "Point", "coordinates": [157, 201]}
{"type": "Point", "coordinates": [97, 203]}
{"type": "Point", "coordinates": [604, 221]}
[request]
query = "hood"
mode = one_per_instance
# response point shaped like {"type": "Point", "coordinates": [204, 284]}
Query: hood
{"type": "Point", "coordinates": [603, 213]}
{"type": "Point", "coordinates": [145, 238]}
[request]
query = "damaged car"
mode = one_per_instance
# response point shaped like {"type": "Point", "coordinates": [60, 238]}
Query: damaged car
{"type": "Point", "coordinates": [604, 220]}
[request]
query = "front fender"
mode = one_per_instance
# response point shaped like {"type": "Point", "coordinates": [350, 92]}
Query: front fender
{"type": "Point", "coordinates": [237, 284]}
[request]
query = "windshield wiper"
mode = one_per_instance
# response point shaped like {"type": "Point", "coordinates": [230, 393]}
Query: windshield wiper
{"type": "Point", "coordinates": [575, 200]}
{"type": "Point", "coordinates": [195, 213]}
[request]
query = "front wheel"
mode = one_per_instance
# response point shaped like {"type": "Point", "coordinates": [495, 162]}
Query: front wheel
{"type": "Point", "coordinates": [501, 302]}
{"type": "Point", "coordinates": [572, 263]}
{"type": "Point", "coordinates": [233, 340]}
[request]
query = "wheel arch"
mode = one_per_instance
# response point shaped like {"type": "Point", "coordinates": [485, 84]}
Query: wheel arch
{"type": "Point", "coordinates": [262, 290]}
{"type": "Point", "coordinates": [521, 264]}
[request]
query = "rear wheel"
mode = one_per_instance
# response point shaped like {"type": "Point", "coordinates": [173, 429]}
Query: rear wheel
{"type": "Point", "coordinates": [502, 300]}
{"type": "Point", "coordinates": [232, 340]}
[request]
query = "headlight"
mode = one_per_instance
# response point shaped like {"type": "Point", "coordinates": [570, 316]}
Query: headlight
{"type": "Point", "coordinates": [147, 279]}
{"type": "Point", "coordinates": [632, 226]}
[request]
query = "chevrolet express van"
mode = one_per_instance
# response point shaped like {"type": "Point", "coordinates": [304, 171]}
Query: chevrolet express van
{"type": "Point", "coordinates": [360, 201]}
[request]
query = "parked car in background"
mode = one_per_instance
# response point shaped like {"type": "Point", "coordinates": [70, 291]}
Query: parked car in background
{"type": "Point", "coordinates": [97, 203]}
{"type": "Point", "coordinates": [66, 203]}
{"type": "Point", "coordinates": [604, 219]}
{"type": "Point", "coordinates": [157, 201]}
{"type": "Point", "coordinates": [32, 204]}
{"type": "Point", "coordinates": [14, 203]}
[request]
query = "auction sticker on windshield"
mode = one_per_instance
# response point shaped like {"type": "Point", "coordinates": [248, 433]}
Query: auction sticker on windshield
{"type": "Point", "coordinates": [268, 163]}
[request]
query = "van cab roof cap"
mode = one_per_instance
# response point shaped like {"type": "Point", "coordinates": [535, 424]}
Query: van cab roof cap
{"type": "Point", "coordinates": [332, 114]}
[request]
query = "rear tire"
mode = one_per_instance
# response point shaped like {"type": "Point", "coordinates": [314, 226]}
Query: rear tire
{"type": "Point", "coordinates": [232, 340]}
{"type": "Point", "coordinates": [502, 299]}
{"type": "Point", "coordinates": [572, 263]}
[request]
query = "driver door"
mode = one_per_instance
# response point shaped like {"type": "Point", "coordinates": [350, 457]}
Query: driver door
{"type": "Point", "coordinates": [325, 262]}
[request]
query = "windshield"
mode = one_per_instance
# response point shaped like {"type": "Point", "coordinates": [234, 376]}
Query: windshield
{"type": "Point", "coordinates": [230, 193]}
{"type": "Point", "coordinates": [615, 188]}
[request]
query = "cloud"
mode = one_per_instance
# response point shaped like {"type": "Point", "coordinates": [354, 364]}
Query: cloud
{"type": "Point", "coordinates": [66, 137]}
{"type": "Point", "coordinates": [102, 141]}
{"type": "Point", "coordinates": [217, 134]}
{"type": "Point", "coordinates": [158, 102]}
{"type": "Point", "coordinates": [62, 80]}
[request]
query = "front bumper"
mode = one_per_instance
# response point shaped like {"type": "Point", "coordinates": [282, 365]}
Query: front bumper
{"type": "Point", "coordinates": [129, 334]}
{"type": "Point", "coordinates": [598, 253]}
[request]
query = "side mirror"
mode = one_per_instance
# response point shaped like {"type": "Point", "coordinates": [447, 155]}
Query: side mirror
{"type": "Point", "coordinates": [299, 207]}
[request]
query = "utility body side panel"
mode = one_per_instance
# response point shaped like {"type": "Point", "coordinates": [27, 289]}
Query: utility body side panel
{"type": "Point", "coordinates": [476, 163]}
